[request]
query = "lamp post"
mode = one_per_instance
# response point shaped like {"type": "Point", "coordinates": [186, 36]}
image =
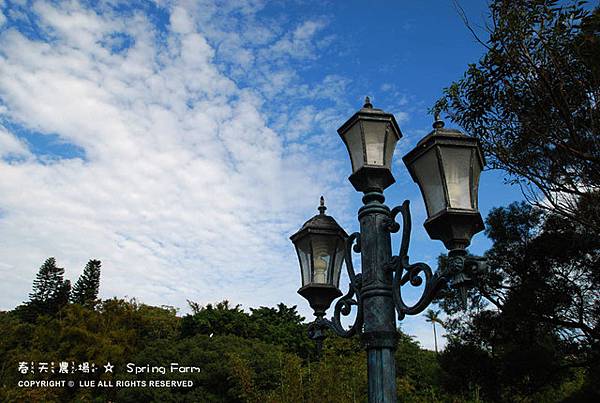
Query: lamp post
{"type": "Point", "coordinates": [446, 165]}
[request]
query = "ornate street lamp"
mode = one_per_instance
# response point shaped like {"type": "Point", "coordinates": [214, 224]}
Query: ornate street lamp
{"type": "Point", "coordinates": [371, 136]}
{"type": "Point", "coordinates": [320, 248]}
{"type": "Point", "coordinates": [446, 165]}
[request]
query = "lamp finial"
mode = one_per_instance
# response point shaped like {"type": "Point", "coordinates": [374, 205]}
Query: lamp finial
{"type": "Point", "coordinates": [322, 207]}
{"type": "Point", "coordinates": [438, 123]}
{"type": "Point", "coordinates": [368, 103]}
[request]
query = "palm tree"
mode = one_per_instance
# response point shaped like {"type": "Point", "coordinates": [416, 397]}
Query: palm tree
{"type": "Point", "coordinates": [434, 317]}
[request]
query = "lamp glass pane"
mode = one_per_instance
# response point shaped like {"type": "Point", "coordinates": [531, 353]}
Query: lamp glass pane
{"type": "Point", "coordinates": [390, 147]}
{"type": "Point", "coordinates": [427, 171]}
{"type": "Point", "coordinates": [477, 168]}
{"type": "Point", "coordinates": [355, 146]}
{"type": "Point", "coordinates": [339, 260]}
{"type": "Point", "coordinates": [374, 141]}
{"type": "Point", "coordinates": [323, 248]}
{"type": "Point", "coordinates": [457, 170]}
{"type": "Point", "coordinates": [304, 256]}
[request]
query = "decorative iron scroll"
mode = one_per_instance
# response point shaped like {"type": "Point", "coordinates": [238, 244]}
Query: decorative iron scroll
{"type": "Point", "coordinates": [404, 272]}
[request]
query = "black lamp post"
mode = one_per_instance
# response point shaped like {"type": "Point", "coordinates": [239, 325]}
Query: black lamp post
{"type": "Point", "coordinates": [446, 165]}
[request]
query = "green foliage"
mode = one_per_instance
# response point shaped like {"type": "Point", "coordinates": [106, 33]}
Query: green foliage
{"type": "Point", "coordinates": [532, 101]}
{"type": "Point", "coordinates": [85, 290]}
{"type": "Point", "coordinates": [282, 326]}
{"type": "Point", "coordinates": [264, 360]}
{"type": "Point", "coordinates": [534, 317]}
{"type": "Point", "coordinates": [467, 368]}
{"type": "Point", "coordinates": [279, 326]}
{"type": "Point", "coordinates": [264, 355]}
{"type": "Point", "coordinates": [340, 374]}
{"type": "Point", "coordinates": [220, 319]}
{"type": "Point", "coordinates": [417, 372]}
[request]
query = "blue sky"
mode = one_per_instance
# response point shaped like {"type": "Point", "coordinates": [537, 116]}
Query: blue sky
{"type": "Point", "coordinates": [181, 143]}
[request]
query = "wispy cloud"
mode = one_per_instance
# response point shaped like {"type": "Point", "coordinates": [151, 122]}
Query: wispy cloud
{"type": "Point", "coordinates": [11, 146]}
{"type": "Point", "coordinates": [182, 142]}
{"type": "Point", "coordinates": [185, 190]}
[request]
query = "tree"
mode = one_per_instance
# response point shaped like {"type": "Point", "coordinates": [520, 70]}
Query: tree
{"type": "Point", "coordinates": [218, 319]}
{"type": "Point", "coordinates": [536, 311]}
{"type": "Point", "coordinates": [468, 369]}
{"type": "Point", "coordinates": [532, 100]}
{"type": "Point", "coordinates": [50, 291]}
{"type": "Point", "coordinates": [417, 371]}
{"type": "Point", "coordinates": [282, 326]}
{"type": "Point", "coordinates": [85, 291]}
{"type": "Point", "coordinates": [232, 368]}
{"type": "Point", "coordinates": [433, 317]}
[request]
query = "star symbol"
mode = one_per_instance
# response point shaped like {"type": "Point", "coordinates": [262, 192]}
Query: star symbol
{"type": "Point", "coordinates": [108, 367]}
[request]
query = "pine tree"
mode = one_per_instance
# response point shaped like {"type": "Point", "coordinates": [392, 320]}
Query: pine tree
{"type": "Point", "coordinates": [64, 294]}
{"type": "Point", "coordinates": [85, 291]}
{"type": "Point", "coordinates": [50, 291]}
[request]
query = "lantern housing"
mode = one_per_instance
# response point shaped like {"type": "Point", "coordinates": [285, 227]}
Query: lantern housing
{"type": "Point", "coordinates": [320, 248]}
{"type": "Point", "coordinates": [370, 136]}
{"type": "Point", "coordinates": [446, 165]}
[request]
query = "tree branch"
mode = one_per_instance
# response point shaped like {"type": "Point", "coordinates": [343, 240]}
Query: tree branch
{"type": "Point", "coordinates": [463, 16]}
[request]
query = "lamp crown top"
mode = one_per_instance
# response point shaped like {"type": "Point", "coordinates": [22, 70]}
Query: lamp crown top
{"type": "Point", "coordinates": [322, 207]}
{"type": "Point", "coordinates": [368, 103]}
{"type": "Point", "coordinates": [320, 224]}
{"type": "Point", "coordinates": [438, 123]}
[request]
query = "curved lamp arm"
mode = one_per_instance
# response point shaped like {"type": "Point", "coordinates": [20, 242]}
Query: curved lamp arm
{"type": "Point", "coordinates": [404, 272]}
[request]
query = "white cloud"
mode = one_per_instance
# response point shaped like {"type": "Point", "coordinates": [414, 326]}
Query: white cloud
{"type": "Point", "coordinates": [402, 117]}
{"type": "Point", "coordinates": [180, 21]}
{"type": "Point", "coordinates": [11, 146]}
{"type": "Point", "coordinates": [204, 150]}
{"type": "Point", "coordinates": [299, 43]}
{"type": "Point", "coordinates": [185, 192]}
